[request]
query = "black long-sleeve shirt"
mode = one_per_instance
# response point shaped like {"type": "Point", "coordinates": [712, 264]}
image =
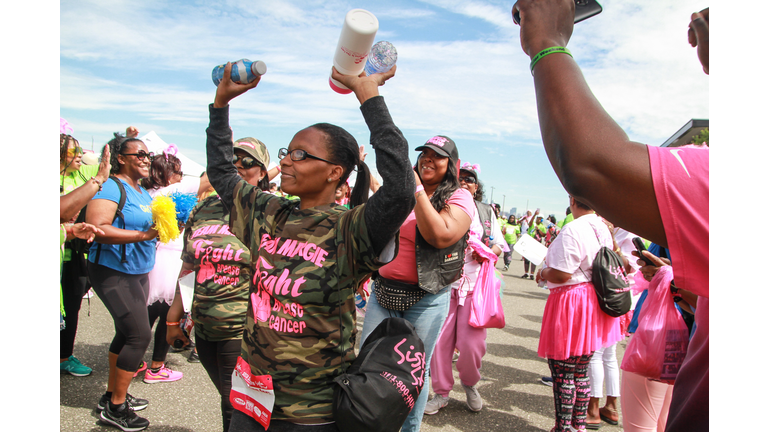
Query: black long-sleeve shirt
{"type": "Point", "coordinates": [385, 211]}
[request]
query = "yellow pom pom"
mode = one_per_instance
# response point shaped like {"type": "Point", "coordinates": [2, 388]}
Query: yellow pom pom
{"type": "Point", "coordinates": [164, 218]}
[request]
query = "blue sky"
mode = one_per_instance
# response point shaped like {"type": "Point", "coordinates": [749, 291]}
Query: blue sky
{"type": "Point", "coordinates": [461, 73]}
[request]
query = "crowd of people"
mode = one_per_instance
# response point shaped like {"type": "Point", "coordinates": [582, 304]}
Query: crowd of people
{"type": "Point", "coordinates": [276, 272]}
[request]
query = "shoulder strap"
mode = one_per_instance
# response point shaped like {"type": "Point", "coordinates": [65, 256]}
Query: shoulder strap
{"type": "Point", "coordinates": [118, 212]}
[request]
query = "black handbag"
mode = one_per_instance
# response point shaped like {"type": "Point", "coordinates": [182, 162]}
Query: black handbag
{"type": "Point", "coordinates": [380, 388]}
{"type": "Point", "coordinates": [611, 282]}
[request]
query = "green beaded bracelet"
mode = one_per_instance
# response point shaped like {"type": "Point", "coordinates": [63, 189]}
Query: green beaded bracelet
{"type": "Point", "coordinates": [546, 52]}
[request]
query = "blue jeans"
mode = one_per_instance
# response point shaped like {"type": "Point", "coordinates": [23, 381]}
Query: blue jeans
{"type": "Point", "coordinates": [428, 316]}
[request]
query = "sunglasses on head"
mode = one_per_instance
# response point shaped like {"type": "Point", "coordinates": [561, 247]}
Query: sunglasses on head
{"type": "Point", "coordinates": [248, 162]}
{"type": "Point", "coordinates": [141, 155]}
{"type": "Point", "coordinates": [75, 151]}
{"type": "Point", "coordinates": [467, 179]}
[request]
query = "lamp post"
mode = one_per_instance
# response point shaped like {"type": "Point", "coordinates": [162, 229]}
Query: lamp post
{"type": "Point", "coordinates": [491, 195]}
{"type": "Point", "coordinates": [503, 200]}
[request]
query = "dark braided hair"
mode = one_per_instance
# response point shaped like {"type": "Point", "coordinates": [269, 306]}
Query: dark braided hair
{"type": "Point", "coordinates": [64, 140]}
{"type": "Point", "coordinates": [343, 150]}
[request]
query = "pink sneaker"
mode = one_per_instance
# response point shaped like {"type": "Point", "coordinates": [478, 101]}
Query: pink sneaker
{"type": "Point", "coordinates": [165, 374]}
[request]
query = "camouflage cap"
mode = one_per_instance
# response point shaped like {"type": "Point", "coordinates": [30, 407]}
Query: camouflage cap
{"type": "Point", "coordinates": [255, 148]}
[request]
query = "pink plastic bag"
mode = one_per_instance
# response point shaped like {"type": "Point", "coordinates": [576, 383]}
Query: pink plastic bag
{"type": "Point", "coordinates": [486, 310]}
{"type": "Point", "coordinates": [659, 345]}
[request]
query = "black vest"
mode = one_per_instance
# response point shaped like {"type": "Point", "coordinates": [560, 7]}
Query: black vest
{"type": "Point", "coordinates": [486, 215]}
{"type": "Point", "coordinates": [438, 268]}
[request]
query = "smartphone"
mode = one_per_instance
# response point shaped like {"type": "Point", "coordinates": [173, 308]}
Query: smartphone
{"type": "Point", "coordinates": [584, 9]}
{"type": "Point", "coordinates": [639, 246]}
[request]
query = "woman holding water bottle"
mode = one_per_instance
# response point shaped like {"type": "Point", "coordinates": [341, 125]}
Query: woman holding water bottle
{"type": "Point", "coordinates": [308, 255]}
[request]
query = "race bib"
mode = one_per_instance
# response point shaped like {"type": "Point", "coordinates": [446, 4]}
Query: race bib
{"type": "Point", "coordinates": [252, 395]}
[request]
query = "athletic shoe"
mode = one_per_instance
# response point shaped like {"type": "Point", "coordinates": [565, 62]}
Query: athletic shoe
{"type": "Point", "coordinates": [547, 381]}
{"type": "Point", "coordinates": [73, 366]}
{"type": "Point", "coordinates": [193, 357]}
{"type": "Point", "coordinates": [165, 374]}
{"type": "Point", "coordinates": [124, 418]}
{"type": "Point", "coordinates": [434, 404]}
{"type": "Point", "coordinates": [137, 404]}
{"type": "Point", "coordinates": [474, 401]}
{"type": "Point", "coordinates": [505, 268]}
{"type": "Point", "coordinates": [141, 368]}
{"type": "Point", "coordinates": [532, 277]}
{"type": "Point", "coordinates": [89, 294]}
{"type": "Point", "coordinates": [525, 276]}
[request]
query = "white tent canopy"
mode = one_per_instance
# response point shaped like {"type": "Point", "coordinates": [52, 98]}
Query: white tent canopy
{"type": "Point", "coordinates": [156, 145]}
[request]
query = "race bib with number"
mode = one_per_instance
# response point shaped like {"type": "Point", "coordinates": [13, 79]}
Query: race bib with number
{"type": "Point", "coordinates": [252, 395]}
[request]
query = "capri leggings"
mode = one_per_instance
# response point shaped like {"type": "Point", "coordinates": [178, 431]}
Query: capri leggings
{"type": "Point", "coordinates": [125, 297]}
{"type": "Point", "coordinates": [570, 385]}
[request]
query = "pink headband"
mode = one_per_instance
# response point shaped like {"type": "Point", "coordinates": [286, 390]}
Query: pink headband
{"type": "Point", "coordinates": [64, 127]}
{"type": "Point", "coordinates": [475, 167]}
{"type": "Point", "coordinates": [170, 150]}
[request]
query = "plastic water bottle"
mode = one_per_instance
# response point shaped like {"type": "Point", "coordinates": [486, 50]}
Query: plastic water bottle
{"type": "Point", "coordinates": [357, 34]}
{"type": "Point", "coordinates": [381, 59]}
{"type": "Point", "coordinates": [243, 71]}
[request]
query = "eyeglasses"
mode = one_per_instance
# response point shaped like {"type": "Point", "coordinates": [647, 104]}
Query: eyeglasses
{"type": "Point", "coordinates": [467, 179]}
{"type": "Point", "coordinates": [247, 161]}
{"type": "Point", "coordinates": [299, 155]}
{"type": "Point", "coordinates": [141, 155]}
{"type": "Point", "coordinates": [75, 151]}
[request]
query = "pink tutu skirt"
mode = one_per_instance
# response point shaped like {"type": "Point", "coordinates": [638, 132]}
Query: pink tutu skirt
{"type": "Point", "coordinates": [574, 325]}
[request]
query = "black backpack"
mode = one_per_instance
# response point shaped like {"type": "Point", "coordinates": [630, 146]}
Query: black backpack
{"type": "Point", "coordinates": [118, 213]}
{"type": "Point", "coordinates": [611, 282]}
{"type": "Point", "coordinates": [381, 387]}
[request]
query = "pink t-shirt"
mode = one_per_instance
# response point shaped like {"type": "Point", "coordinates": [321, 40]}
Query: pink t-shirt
{"type": "Point", "coordinates": [403, 267]}
{"type": "Point", "coordinates": [681, 182]}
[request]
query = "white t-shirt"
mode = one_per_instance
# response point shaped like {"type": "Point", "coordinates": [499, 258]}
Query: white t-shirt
{"type": "Point", "coordinates": [575, 248]}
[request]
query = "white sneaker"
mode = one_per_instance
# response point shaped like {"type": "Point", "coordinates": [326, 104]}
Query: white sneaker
{"type": "Point", "coordinates": [89, 294]}
{"type": "Point", "coordinates": [474, 401]}
{"type": "Point", "coordinates": [434, 404]}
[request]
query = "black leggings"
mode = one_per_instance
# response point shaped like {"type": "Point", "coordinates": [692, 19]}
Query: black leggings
{"type": "Point", "coordinates": [74, 285]}
{"type": "Point", "coordinates": [125, 297]}
{"type": "Point", "coordinates": [159, 309]}
{"type": "Point", "coordinates": [219, 360]}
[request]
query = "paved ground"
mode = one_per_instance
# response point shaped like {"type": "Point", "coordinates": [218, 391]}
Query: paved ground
{"type": "Point", "coordinates": [514, 398]}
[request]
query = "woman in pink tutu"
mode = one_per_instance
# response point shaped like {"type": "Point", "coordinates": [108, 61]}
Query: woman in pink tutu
{"type": "Point", "coordinates": [573, 326]}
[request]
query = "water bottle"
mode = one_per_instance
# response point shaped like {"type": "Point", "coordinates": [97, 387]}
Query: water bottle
{"type": "Point", "coordinates": [381, 59]}
{"type": "Point", "coordinates": [357, 34]}
{"type": "Point", "coordinates": [243, 71]}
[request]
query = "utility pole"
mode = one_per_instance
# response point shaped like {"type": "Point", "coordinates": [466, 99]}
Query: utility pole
{"type": "Point", "coordinates": [492, 194]}
{"type": "Point", "coordinates": [503, 200]}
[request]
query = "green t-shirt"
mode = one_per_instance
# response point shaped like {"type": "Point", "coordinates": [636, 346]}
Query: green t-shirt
{"type": "Point", "coordinates": [222, 272]}
{"type": "Point", "coordinates": [568, 218]}
{"type": "Point", "coordinates": [301, 271]}
{"type": "Point", "coordinates": [512, 232]}
{"type": "Point", "coordinates": [74, 180]}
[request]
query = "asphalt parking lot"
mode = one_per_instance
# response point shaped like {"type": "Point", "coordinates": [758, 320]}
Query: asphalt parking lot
{"type": "Point", "coordinates": [514, 398]}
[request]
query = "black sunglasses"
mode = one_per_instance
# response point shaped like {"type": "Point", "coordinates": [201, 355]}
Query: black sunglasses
{"type": "Point", "coordinates": [299, 155]}
{"type": "Point", "coordinates": [467, 179]}
{"type": "Point", "coordinates": [140, 155]}
{"type": "Point", "coordinates": [247, 161]}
